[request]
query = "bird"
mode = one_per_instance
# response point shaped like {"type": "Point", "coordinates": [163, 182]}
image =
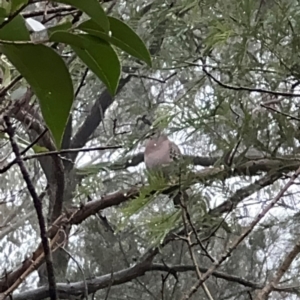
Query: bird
{"type": "Point", "coordinates": [161, 154]}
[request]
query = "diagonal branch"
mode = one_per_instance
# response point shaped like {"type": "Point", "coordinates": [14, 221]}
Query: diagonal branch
{"type": "Point", "coordinates": [245, 192]}
{"type": "Point", "coordinates": [39, 210]}
{"type": "Point", "coordinates": [52, 167]}
{"type": "Point", "coordinates": [243, 88]}
{"type": "Point", "coordinates": [282, 269]}
{"type": "Point", "coordinates": [94, 118]}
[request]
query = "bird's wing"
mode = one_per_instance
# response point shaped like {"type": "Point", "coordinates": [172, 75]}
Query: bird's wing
{"type": "Point", "coordinates": [175, 153]}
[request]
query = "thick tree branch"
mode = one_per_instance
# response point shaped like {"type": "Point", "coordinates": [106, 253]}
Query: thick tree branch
{"type": "Point", "coordinates": [55, 174]}
{"type": "Point", "coordinates": [134, 160]}
{"type": "Point", "coordinates": [65, 290]}
{"type": "Point", "coordinates": [94, 118]}
{"type": "Point", "coordinates": [244, 192]}
{"type": "Point", "coordinates": [251, 163]}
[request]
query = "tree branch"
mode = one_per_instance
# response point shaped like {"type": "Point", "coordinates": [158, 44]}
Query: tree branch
{"type": "Point", "coordinates": [243, 88]}
{"type": "Point", "coordinates": [244, 192]}
{"type": "Point", "coordinates": [94, 118]}
{"type": "Point", "coordinates": [65, 290]}
{"type": "Point", "coordinates": [39, 210]}
{"type": "Point", "coordinates": [281, 271]}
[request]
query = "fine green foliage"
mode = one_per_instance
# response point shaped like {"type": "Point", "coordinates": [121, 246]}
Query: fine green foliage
{"type": "Point", "coordinates": [160, 225]}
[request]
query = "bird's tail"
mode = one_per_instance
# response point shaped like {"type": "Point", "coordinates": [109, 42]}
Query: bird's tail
{"type": "Point", "coordinates": [181, 196]}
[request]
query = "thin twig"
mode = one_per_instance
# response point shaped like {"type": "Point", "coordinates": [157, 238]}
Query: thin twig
{"type": "Point", "coordinates": [50, 153]}
{"type": "Point", "coordinates": [81, 84]}
{"type": "Point", "coordinates": [279, 112]}
{"type": "Point", "coordinates": [53, 10]}
{"type": "Point", "coordinates": [39, 210]}
{"type": "Point", "coordinates": [74, 150]}
{"type": "Point", "coordinates": [34, 142]}
{"type": "Point", "coordinates": [5, 89]}
{"type": "Point", "coordinates": [243, 88]}
{"type": "Point", "coordinates": [184, 211]}
{"type": "Point", "coordinates": [81, 270]}
{"type": "Point", "coordinates": [188, 217]}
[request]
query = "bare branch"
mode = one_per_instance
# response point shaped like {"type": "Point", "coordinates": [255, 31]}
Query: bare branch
{"type": "Point", "coordinates": [282, 269]}
{"type": "Point", "coordinates": [53, 10]}
{"type": "Point", "coordinates": [39, 210]}
{"type": "Point", "coordinates": [243, 88]}
{"type": "Point", "coordinates": [94, 118]}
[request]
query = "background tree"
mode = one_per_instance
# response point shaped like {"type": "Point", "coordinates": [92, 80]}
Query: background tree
{"type": "Point", "coordinates": [223, 84]}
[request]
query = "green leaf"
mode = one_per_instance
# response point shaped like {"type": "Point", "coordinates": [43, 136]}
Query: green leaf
{"type": "Point", "coordinates": [102, 59]}
{"type": "Point", "coordinates": [97, 54]}
{"type": "Point", "coordinates": [17, 4]}
{"type": "Point", "coordinates": [39, 149]}
{"type": "Point", "coordinates": [91, 8]}
{"type": "Point", "coordinates": [15, 30]}
{"type": "Point", "coordinates": [68, 38]}
{"type": "Point", "coordinates": [121, 36]}
{"type": "Point", "coordinates": [3, 14]}
{"type": "Point", "coordinates": [49, 78]}
{"type": "Point", "coordinates": [60, 27]}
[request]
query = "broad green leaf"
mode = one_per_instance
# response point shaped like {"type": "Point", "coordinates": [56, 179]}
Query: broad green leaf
{"type": "Point", "coordinates": [92, 8]}
{"type": "Point", "coordinates": [97, 54]}
{"type": "Point", "coordinates": [91, 51]}
{"type": "Point", "coordinates": [4, 10]}
{"type": "Point", "coordinates": [60, 27]}
{"type": "Point", "coordinates": [102, 59]}
{"type": "Point", "coordinates": [68, 38]}
{"type": "Point", "coordinates": [121, 36]}
{"type": "Point", "coordinates": [15, 30]}
{"type": "Point", "coordinates": [17, 4]}
{"type": "Point", "coordinates": [49, 78]}
{"type": "Point", "coordinates": [3, 14]}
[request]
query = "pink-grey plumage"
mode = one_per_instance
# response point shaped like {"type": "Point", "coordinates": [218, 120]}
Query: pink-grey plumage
{"type": "Point", "coordinates": [160, 153]}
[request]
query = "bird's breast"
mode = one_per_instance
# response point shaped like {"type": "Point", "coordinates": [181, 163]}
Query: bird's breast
{"type": "Point", "coordinates": [156, 159]}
